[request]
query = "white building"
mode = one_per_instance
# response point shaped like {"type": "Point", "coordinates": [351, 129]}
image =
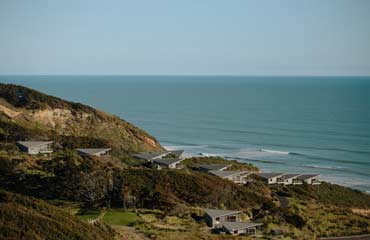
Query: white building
{"type": "Point", "coordinates": [291, 179]}
{"type": "Point", "coordinates": [312, 179]}
{"type": "Point", "coordinates": [98, 152]}
{"type": "Point", "coordinates": [271, 178]}
{"type": "Point", "coordinates": [35, 147]}
{"type": "Point", "coordinates": [238, 177]}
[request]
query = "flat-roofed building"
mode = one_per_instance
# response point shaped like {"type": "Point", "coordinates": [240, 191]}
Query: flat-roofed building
{"type": "Point", "coordinates": [36, 147]}
{"type": "Point", "coordinates": [214, 167]}
{"type": "Point", "coordinates": [98, 152]}
{"type": "Point", "coordinates": [215, 217]}
{"type": "Point", "coordinates": [292, 179]}
{"type": "Point", "coordinates": [271, 178]}
{"type": "Point", "coordinates": [236, 228]}
{"type": "Point", "coordinates": [173, 163]}
{"type": "Point", "coordinates": [238, 176]}
{"type": "Point", "coordinates": [312, 179]}
{"type": "Point", "coordinates": [150, 156]}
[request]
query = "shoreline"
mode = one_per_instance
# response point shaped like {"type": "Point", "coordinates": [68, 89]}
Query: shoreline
{"type": "Point", "coordinates": [324, 177]}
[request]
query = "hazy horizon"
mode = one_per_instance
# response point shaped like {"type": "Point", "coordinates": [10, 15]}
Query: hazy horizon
{"type": "Point", "coordinates": [223, 38]}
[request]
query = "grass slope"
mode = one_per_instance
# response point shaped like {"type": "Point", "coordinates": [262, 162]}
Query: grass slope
{"type": "Point", "coordinates": [29, 218]}
{"type": "Point", "coordinates": [173, 190]}
{"type": "Point", "coordinates": [27, 114]}
{"type": "Point", "coordinates": [194, 162]}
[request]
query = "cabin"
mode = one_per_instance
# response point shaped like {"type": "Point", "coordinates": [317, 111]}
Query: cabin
{"type": "Point", "coordinates": [97, 152]}
{"type": "Point", "coordinates": [172, 163]}
{"type": "Point", "coordinates": [36, 147]}
{"type": "Point", "coordinates": [271, 178]}
{"type": "Point", "coordinates": [238, 177]}
{"type": "Point", "coordinates": [292, 179]}
{"type": "Point", "coordinates": [312, 179]}
{"type": "Point", "coordinates": [150, 156]}
{"type": "Point", "coordinates": [237, 228]}
{"type": "Point", "coordinates": [215, 217]}
{"type": "Point", "coordinates": [214, 167]}
{"type": "Point", "coordinates": [229, 221]}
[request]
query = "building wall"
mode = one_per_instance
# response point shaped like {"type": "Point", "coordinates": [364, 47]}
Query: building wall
{"type": "Point", "coordinates": [209, 221]}
{"type": "Point", "coordinates": [38, 149]}
{"type": "Point", "coordinates": [272, 180]}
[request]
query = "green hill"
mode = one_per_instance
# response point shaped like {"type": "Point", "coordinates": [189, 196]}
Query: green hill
{"type": "Point", "coordinates": [26, 114]}
{"type": "Point", "coordinates": [24, 217]}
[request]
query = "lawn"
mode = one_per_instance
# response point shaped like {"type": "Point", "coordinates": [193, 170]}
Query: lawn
{"type": "Point", "coordinates": [120, 217]}
{"type": "Point", "coordinates": [89, 214]}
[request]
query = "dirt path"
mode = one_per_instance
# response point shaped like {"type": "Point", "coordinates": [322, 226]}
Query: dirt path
{"type": "Point", "coordinates": [128, 233]}
{"type": "Point", "coordinates": [355, 237]}
{"type": "Point", "coordinates": [284, 202]}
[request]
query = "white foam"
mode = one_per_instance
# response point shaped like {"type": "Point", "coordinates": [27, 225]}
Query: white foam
{"type": "Point", "coordinates": [181, 147]}
{"type": "Point", "coordinates": [275, 151]}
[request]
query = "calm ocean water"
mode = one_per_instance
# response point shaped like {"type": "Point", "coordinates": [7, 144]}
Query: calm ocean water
{"type": "Point", "coordinates": [295, 124]}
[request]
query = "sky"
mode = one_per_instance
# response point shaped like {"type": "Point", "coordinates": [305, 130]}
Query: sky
{"type": "Point", "coordinates": [189, 37]}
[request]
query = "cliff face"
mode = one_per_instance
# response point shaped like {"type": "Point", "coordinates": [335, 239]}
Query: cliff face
{"type": "Point", "coordinates": [51, 117]}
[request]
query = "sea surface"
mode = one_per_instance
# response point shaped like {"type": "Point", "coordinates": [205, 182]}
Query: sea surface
{"type": "Point", "coordinates": [282, 124]}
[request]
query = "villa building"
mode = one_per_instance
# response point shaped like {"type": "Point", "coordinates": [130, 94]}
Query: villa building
{"type": "Point", "coordinates": [238, 177]}
{"type": "Point", "coordinates": [98, 152]}
{"type": "Point", "coordinates": [36, 147]}
{"type": "Point", "coordinates": [172, 163]}
{"type": "Point", "coordinates": [271, 178]}
{"type": "Point", "coordinates": [237, 228]}
{"type": "Point", "coordinates": [214, 167]}
{"type": "Point", "coordinates": [151, 156]}
{"type": "Point", "coordinates": [229, 221]}
{"type": "Point", "coordinates": [312, 179]}
{"type": "Point", "coordinates": [292, 179]}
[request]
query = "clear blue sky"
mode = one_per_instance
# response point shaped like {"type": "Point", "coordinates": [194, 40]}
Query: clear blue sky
{"type": "Point", "coordinates": [239, 37]}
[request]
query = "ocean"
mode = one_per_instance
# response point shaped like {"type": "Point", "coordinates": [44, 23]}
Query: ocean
{"type": "Point", "coordinates": [281, 124]}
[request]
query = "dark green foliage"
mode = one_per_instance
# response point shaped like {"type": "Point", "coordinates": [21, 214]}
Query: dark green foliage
{"type": "Point", "coordinates": [194, 162]}
{"type": "Point", "coordinates": [24, 217]}
{"type": "Point", "coordinates": [81, 179]}
{"type": "Point", "coordinates": [167, 189]}
{"type": "Point", "coordinates": [326, 193]}
{"type": "Point", "coordinates": [294, 219]}
{"type": "Point", "coordinates": [24, 97]}
{"type": "Point", "coordinates": [10, 131]}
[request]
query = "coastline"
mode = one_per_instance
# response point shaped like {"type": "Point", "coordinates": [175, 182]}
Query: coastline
{"type": "Point", "coordinates": [268, 165]}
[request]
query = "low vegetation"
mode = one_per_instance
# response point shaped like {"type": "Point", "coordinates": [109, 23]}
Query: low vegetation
{"type": "Point", "coordinates": [194, 162]}
{"type": "Point", "coordinates": [52, 197]}
{"type": "Point", "coordinates": [327, 193]}
{"type": "Point", "coordinates": [26, 114]}
{"type": "Point", "coordinates": [29, 218]}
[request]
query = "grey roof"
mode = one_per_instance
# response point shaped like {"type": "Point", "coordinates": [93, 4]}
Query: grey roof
{"type": "Point", "coordinates": [152, 155]}
{"type": "Point", "coordinates": [233, 226]}
{"type": "Point", "coordinates": [290, 175]}
{"type": "Point", "coordinates": [307, 176]}
{"type": "Point", "coordinates": [149, 155]}
{"type": "Point", "coordinates": [219, 213]}
{"type": "Point", "coordinates": [224, 174]}
{"type": "Point", "coordinates": [167, 161]}
{"type": "Point", "coordinates": [92, 151]}
{"type": "Point", "coordinates": [217, 167]}
{"type": "Point", "coordinates": [269, 175]}
{"type": "Point", "coordinates": [30, 144]}
{"type": "Point", "coordinates": [176, 152]}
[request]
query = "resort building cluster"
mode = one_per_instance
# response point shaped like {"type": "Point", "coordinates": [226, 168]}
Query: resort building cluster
{"type": "Point", "coordinates": [221, 221]}
{"type": "Point", "coordinates": [46, 147]}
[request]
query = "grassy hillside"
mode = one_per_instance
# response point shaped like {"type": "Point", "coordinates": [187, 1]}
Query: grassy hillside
{"type": "Point", "coordinates": [173, 190]}
{"type": "Point", "coordinates": [26, 114]}
{"type": "Point", "coordinates": [29, 218]}
{"type": "Point", "coordinates": [327, 193]}
{"type": "Point", "coordinates": [194, 162]}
